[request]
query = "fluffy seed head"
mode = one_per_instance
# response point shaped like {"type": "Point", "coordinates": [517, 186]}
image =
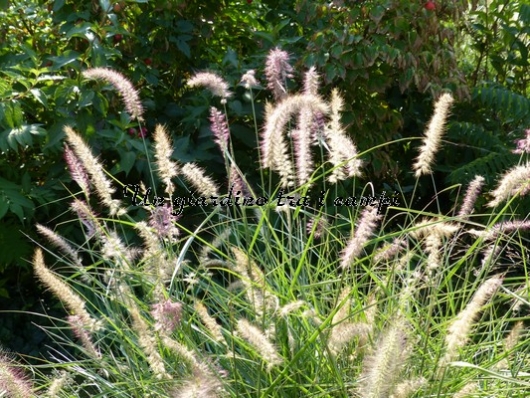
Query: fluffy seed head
{"type": "Point", "coordinates": [124, 87]}
{"type": "Point", "coordinates": [260, 342]}
{"type": "Point", "coordinates": [212, 82]}
{"type": "Point", "coordinates": [277, 71]}
{"type": "Point", "coordinates": [219, 128]}
{"type": "Point", "coordinates": [13, 381]}
{"type": "Point", "coordinates": [249, 79]}
{"type": "Point", "coordinates": [342, 151]}
{"type": "Point", "coordinates": [433, 135]}
{"type": "Point", "coordinates": [77, 171]}
{"type": "Point", "coordinates": [382, 369]}
{"type": "Point", "coordinates": [458, 332]}
{"type": "Point", "coordinates": [363, 232]}
{"type": "Point", "coordinates": [516, 181]}
{"type": "Point", "coordinates": [167, 169]}
{"type": "Point", "coordinates": [311, 81]}
{"type": "Point", "coordinates": [523, 145]}
{"type": "Point", "coordinates": [471, 196]}
{"type": "Point", "coordinates": [209, 321]}
{"type": "Point", "coordinates": [167, 316]}
{"type": "Point", "coordinates": [63, 292]}
{"type": "Point", "coordinates": [273, 144]}
{"type": "Point", "coordinates": [204, 185]}
{"type": "Point", "coordinates": [102, 185]}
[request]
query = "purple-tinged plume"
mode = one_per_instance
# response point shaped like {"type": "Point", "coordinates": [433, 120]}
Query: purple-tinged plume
{"type": "Point", "coordinates": [523, 145]}
{"type": "Point", "coordinates": [219, 128]}
{"type": "Point", "coordinates": [77, 171]}
{"type": "Point", "coordinates": [277, 71]}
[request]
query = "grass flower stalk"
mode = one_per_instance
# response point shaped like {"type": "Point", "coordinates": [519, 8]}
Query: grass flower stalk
{"type": "Point", "coordinates": [124, 87]}
{"type": "Point", "coordinates": [166, 168]}
{"type": "Point", "coordinates": [102, 185]}
{"type": "Point", "coordinates": [458, 332]}
{"type": "Point", "coordinates": [433, 136]}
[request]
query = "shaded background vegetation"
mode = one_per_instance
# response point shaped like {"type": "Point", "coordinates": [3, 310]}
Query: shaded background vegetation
{"type": "Point", "coordinates": [389, 58]}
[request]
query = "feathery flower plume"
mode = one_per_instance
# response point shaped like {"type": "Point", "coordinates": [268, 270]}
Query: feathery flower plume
{"type": "Point", "coordinates": [209, 322]}
{"type": "Point", "coordinates": [428, 228]}
{"type": "Point", "coordinates": [212, 82]}
{"type": "Point", "coordinates": [516, 181]}
{"type": "Point", "coordinates": [277, 71]}
{"type": "Point", "coordinates": [343, 334]}
{"type": "Point", "coordinates": [382, 369]}
{"type": "Point", "coordinates": [342, 150]}
{"type": "Point", "coordinates": [302, 146]}
{"type": "Point", "coordinates": [364, 230]}
{"type": "Point", "coordinates": [343, 331]}
{"type": "Point", "coordinates": [273, 144]}
{"type": "Point", "coordinates": [260, 342]}
{"type": "Point", "coordinates": [263, 302]}
{"type": "Point", "coordinates": [124, 87]}
{"type": "Point", "coordinates": [167, 315]}
{"type": "Point", "coordinates": [433, 135]}
{"type": "Point", "coordinates": [408, 387]}
{"type": "Point", "coordinates": [219, 127]}
{"type": "Point", "coordinates": [503, 227]}
{"type": "Point", "coordinates": [146, 339]}
{"type": "Point", "coordinates": [185, 353]}
{"type": "Point", "coordinates": [103, 186]}
{"type": "Point", "coordinates": [13, 381]}
{"type": "Point", "coordinates": [114, 250]}
{"type": "Point", "coordinates": [523, 145]}
{"type": "Point", "coordinates": [434, 235]}
{"type": "Point", "coordinates": [157, 267]}
{"type": "Point", "coordinates": [236, 183]}
{"type": "Point", "coordinates": [388, 252]}
{"type": "Point", "coordinates": [311, 81]}
{"type": "Point", "coordinates": [466, 391]}
{"type": "Point", "coordinates": [291, 307]}
{"type": "Point", "coordinates": [59, 242]}
{"type": "Point", "coordinates": [76, 324]}
{"type": "Point", "coordinates": [57, 384]}
{"type": "Point", "coordinates": [87, 217]}
{"type": "Point", "coordinates": [319, 229]}
{"type": "Point", "coordinates": [167, 169]}
{"type": "Point", "coordinates": [201, 385]}
{"type": "Point", "coordinates": [249, 79]}
{"type": "Point", "coordinates": [305, 133]}
{"type": "Point", "coordinates": [471, 196]}
{"type": "Point", "coordinates": [458, 331]}
{"type": "Point", "coordinates": [163, 221]}
{"type": "Point", "coordinates": [203, 184]}
{"type": "Point", "coordinates": [148, 344]}
{"type": "Point", "coordinates": [77, 171]}
{"type": "Point", "coordinates": [63, 292]}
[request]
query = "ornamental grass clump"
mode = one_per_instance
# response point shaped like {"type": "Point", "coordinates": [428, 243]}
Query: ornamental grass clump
{"type": "Point", "coordinates": [317, 289]}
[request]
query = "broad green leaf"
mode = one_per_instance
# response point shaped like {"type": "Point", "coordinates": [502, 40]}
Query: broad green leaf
{"type": "Point", "coordinates": [127, 161]}
{"type": "Point", "coordinates": [68, 57]}
{"type": "Point", "coordinates": [57, 5]}
{"type": "Point", "coordinates": [184, 47]}
{"type": "Point", "coordinates": [184, 26]}
{"type": "Point", "coordinates": [105, 5]}
{"type": "Point", "coordinates": [4, 205]}
{"type": "Point", "coordinates": [83, 30]}
{"type": "Point", "coordinates": [39, 96]}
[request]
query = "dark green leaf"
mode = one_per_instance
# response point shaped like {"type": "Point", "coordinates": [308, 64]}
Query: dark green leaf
{"type": "Point", "coordinates": [39, 96]}
{"type": "Point", "coordinates": [127, 161]}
